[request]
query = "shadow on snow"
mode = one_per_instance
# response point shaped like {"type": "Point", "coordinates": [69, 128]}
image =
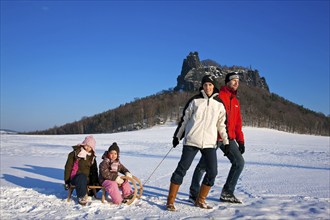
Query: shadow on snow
{"type": "Point", "coordinates": [41, 186]}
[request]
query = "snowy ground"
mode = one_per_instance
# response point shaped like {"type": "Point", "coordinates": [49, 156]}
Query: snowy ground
{"type": "Point", "coordinates": [286, 177]}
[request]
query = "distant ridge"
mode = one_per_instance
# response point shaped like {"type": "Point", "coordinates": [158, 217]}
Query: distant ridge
{"type": "Point", "coordinates": [260, 107]}
{"type": "Point", "coordinates": [6, 131]}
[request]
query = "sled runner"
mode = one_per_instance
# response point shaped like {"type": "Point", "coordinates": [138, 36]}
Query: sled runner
{"type": "Point", "coordinates": [136, 186]}
{"type": "Point", "coordinates": [135, 182]}
{"type": "Point", "coordinates": [140, 186]}
{"type": "Point", "coordinates": [93, 188]}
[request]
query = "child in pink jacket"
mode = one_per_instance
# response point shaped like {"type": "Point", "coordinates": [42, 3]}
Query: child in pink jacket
{"type": "Point", "coordinates": [109, 169]}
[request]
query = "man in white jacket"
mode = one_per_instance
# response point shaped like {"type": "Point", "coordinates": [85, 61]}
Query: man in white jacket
{"type": "Point", "coordinates": [203, 117]}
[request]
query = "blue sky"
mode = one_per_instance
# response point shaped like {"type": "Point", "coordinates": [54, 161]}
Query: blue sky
{"type": "Point", "coordinates": [63, 60]}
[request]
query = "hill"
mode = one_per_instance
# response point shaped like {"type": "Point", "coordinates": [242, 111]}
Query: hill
{"type": "Point", "coordinates": [260, 107]}
{"type": "Point", "coordinates": [6, 131]}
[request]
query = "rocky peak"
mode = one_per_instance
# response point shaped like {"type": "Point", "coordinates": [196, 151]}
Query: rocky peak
{"type": "Point", "coordinates": [193, 71]}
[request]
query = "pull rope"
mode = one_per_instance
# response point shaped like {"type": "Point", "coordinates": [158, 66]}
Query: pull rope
{"type": "Point", "coordinates": [157, 166]}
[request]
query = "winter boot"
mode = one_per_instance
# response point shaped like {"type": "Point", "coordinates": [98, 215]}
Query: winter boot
{"type": "Point", "coordinates": [174, 188]}
{"type": "Point", "coordinates": [127, 198]}
{"type": "Point", "coordinates": [83, 200]}
{"type": "Point", "coordinates": [200, 201]}
{"type": "Point", "coordinates": [192, 198]}
{"type": "Point", "coordinates": [229, 197]}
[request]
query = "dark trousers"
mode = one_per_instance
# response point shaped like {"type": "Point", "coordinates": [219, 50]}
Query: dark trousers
{"type": "Point", "coordinates": [80, 181]}
{"type": "Point", "coordinates": [187, 157]}
{"type": "Point", "coordinates": [237, 165]}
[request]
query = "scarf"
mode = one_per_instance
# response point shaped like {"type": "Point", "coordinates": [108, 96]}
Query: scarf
{"type": "Point", "coordinates": [83, 153]}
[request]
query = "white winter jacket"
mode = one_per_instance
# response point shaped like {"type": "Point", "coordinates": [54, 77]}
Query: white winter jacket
{"type": "Point", "coordinates": [203, 117]}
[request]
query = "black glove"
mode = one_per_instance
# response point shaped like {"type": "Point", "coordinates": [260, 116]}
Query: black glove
{"type": "Point", "coordinates": [241, 148]}
{"type": "Point", "coordinates": [226, 150]}
{"type": "Point", "coordinates": [175, 142]}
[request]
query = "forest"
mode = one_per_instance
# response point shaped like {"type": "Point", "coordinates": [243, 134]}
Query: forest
{"type": "Point", "coordinates": [259, 109]}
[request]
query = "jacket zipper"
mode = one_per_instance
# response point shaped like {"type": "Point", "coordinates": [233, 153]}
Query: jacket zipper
{"type": "Point", "coordinates": [206, 115]}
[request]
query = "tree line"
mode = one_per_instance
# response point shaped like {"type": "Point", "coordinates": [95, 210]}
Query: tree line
{"type": "Point", "coordinates": [259, 109]}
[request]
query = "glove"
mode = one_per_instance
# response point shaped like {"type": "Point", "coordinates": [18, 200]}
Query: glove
{"type": "Point", "coordinates": [241, 148]}
{"type": "Point", "coordinates": [175, 142]}
{"type": "Point", "coordinates": [226, 150]}
{"type": "Point", "coordinates": [128, 174]}
{"type": "Point", "coordinates": [66, 186]}
{"type": "Point", "coordinates": [119, 180]}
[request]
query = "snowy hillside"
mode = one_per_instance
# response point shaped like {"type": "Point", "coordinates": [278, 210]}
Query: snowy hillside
{"type": "Point", "coordinates": [286, 177]}
{"type": "Point", "coordinates": [4, 131]}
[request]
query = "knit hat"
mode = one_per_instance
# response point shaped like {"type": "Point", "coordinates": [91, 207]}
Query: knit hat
{"type": "Point", "coordinates": [90, 141]}
{"type": "Point", "coordinates": [230, 76]}
{"type": "Point", "coordinates": [207, 78]}
{"type": "Point", "coordinates": [114, 147]}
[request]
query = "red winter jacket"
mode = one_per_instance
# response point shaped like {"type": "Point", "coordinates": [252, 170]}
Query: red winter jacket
{"type": "Point", "coordinates": [233, 110]}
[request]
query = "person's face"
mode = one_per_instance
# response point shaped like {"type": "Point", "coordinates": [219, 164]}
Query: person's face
{"type": "Point", "coordinates": [233, 84]}
{"type": "Point", "coordinates": [87, 148]}
{"type": "Point", "coordinates": [208, 88]}
{"type": "Point", "coordinates": [112, 155]}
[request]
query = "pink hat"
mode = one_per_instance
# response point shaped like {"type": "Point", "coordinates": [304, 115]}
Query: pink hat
{"type": "Point", "coordinates": [90, 141]}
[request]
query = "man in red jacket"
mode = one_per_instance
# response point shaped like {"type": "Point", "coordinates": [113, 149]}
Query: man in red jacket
{"type": "Point", "coordinates": [234, 150]}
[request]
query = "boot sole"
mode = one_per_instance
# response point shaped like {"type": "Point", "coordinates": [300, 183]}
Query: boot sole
{"type": "Point", "coordinates": [230, 201]}
{"type": "Point", "coordinates": [204, 207]}
{"type": "Point", "coordinates": [170, 208]}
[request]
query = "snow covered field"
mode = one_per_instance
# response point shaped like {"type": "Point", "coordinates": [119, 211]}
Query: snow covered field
{"type": "Point", "coordinates": [286, 176]}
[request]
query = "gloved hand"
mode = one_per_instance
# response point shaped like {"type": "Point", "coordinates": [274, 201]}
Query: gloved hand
{"type": "Point", "coordinates": [241, 148]}
{"type": "Point", "coordinates": [119, 180]}
{"type": "Point", "coordinates": [66, 186]}
{"type": "Point", "coordinates": [226, 150]}
{"type": "Point", "coordinates": [175, 142]}
{"type": "Point", "coordinates": [128, 174]}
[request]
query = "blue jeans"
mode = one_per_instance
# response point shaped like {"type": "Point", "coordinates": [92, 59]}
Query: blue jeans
{"type": "Point", "coordinates": [80, 181]}
{"type": "Point", "coordinates": [237, 165]}
{"type": "Point", "coordinates": [187, 157]}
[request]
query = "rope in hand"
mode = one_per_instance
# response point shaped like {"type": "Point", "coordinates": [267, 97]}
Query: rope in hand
{"type": "Point", "coordinates": [157, 166]}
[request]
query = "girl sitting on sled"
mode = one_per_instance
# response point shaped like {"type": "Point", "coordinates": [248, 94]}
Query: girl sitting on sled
{"type": "Point", "coordinates": [81, 168]}
{"type": "Point", "coordinates": [109, 170]}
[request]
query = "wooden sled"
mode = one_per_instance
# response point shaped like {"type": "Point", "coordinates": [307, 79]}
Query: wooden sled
{"type": "Point", "coordinates": [93, 188]}
{"type": "Point", "coordinates": [136, 186]}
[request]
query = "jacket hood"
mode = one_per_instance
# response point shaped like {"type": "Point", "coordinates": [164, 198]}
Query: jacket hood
{"type": "Point", "coordinates": [105, 155]}
{"type": "Point", "coordinates": [76, 147]}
